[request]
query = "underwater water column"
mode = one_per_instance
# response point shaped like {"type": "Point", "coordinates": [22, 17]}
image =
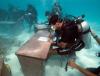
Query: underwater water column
{"type": "Point", "coordinates": [53, 66]}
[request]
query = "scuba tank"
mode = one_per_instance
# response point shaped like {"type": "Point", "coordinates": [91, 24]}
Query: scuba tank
{"type": "Point", "coordinates": [84, 28]}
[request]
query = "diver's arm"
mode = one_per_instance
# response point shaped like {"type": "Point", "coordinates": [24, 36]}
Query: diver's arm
{"type": "Point", "coordinates": [81, 69]}
{"type": "Point", "coordinates": [75, 47]}
{"type": "Point", "coordinates": [95, 37]}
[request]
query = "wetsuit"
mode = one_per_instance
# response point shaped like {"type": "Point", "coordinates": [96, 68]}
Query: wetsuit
{"type": "Point", "coordinates": [70, 35]}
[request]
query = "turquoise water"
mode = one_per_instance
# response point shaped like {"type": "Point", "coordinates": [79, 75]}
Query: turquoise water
{"type": "Point", "coordinates": [18, 34]}
{"type": "Point", "coordinates": [91, 8]}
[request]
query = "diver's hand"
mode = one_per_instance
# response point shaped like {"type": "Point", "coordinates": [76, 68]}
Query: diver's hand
{"type": "Point", "coordinates": [72, 64]}
{"type": "Point", "coordinates": [50, 36]}
{"type": "Point", "coordinates": [62, 44]}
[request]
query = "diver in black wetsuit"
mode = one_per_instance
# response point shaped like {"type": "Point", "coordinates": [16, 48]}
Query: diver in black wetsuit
{"type": "Point", "coordinates": [68, 35]}
{"type": "Point", "coordinates": [56, 10]}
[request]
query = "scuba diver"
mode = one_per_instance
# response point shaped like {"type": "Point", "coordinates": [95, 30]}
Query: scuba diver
{"type": "Point", "coordinates": [57, 10]}
{"type": "Point", "coordinates": [68, 34]}
{"type": "Point", "coordinates": [31, 16]}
